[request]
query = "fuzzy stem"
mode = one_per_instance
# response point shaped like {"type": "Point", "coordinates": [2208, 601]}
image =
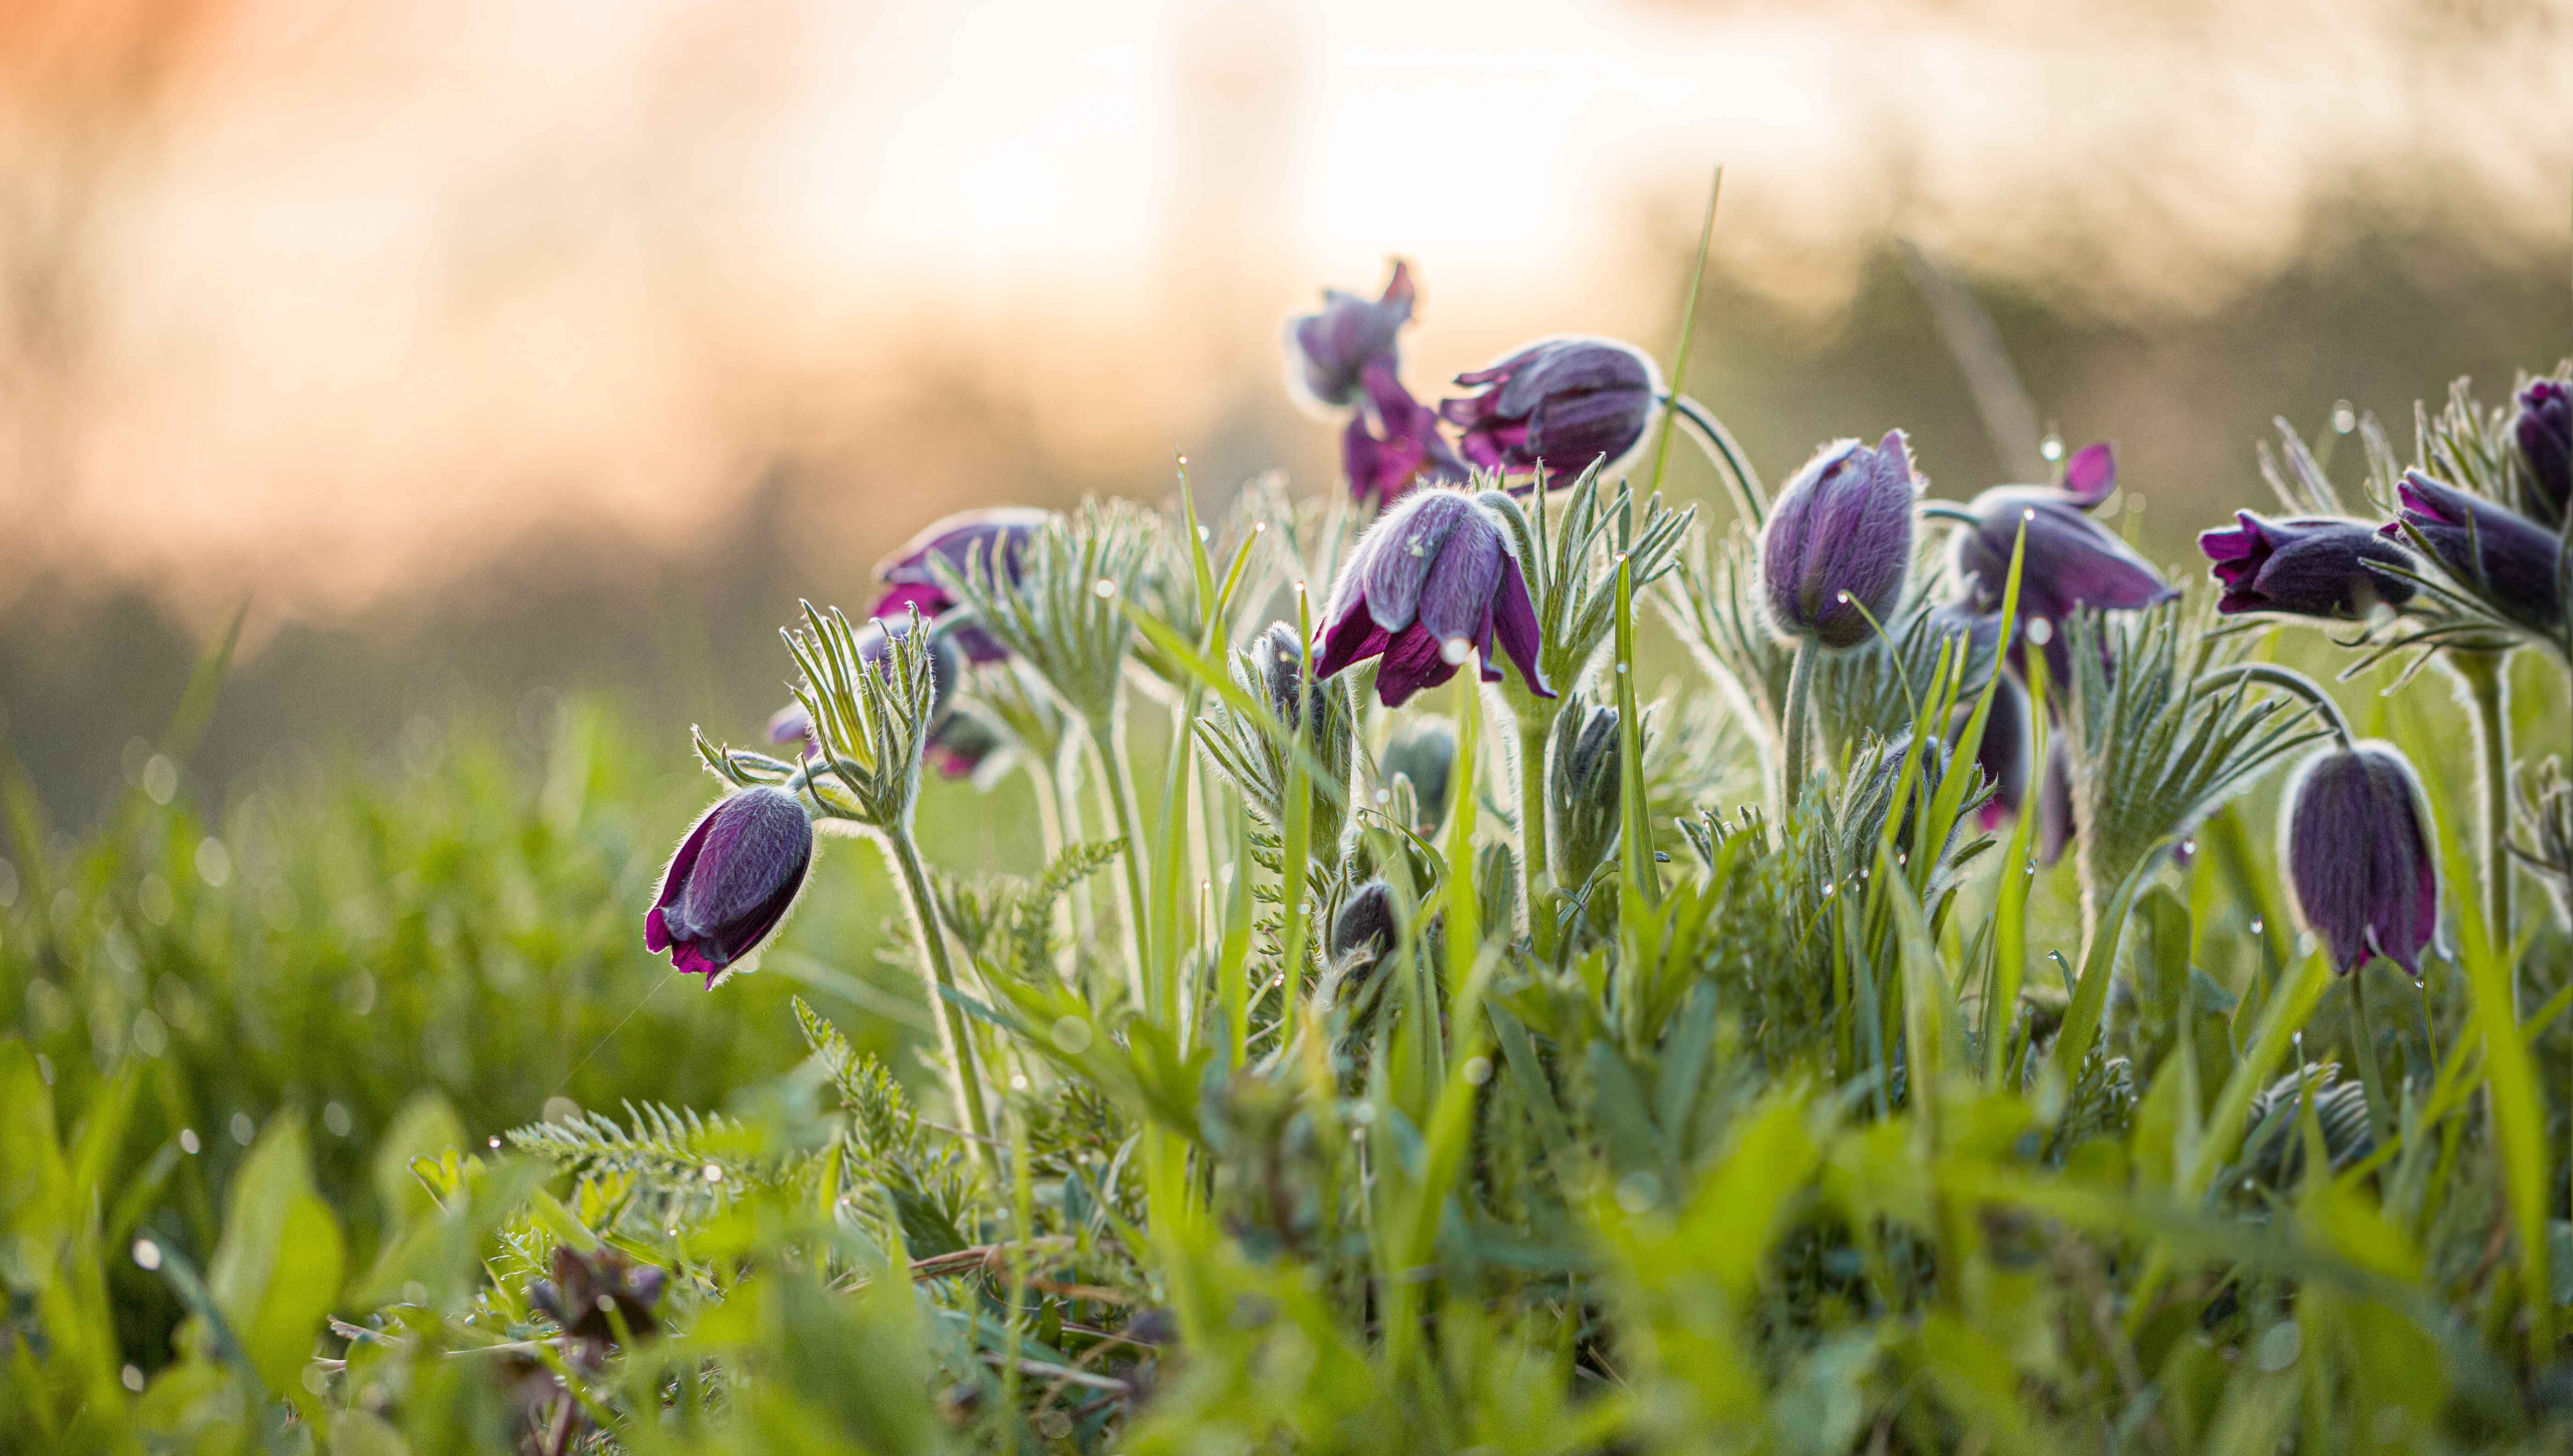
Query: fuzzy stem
{"type": "Point", "coordinates": [1533, 875]}
{"type": "Point", "coordinates": [1725, 454]}
{"type": "Point", "coordinates": [1792, 726]}
{"type": "Point", "coordinates": [2380, 1113]}
{"type": "Point", "coordinates": [2482, 672]}
{"type": "Point", "coordinates": [1121, 802]}
{"type": "Point", "coordinates": [951, 1030]}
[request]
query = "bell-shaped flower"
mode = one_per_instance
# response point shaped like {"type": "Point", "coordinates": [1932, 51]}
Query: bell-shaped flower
{"type": "Point", "coordinates": [731, 882]}
{"type": "Point", "coordinates": [1434, 581]}
{"type": "Point", "coordinates": [2072, 560]}
{"type": "Point", "coordinates": [1392, 444]}
{"type": "Point", "coordinates": [1327, 352]}
{"type": "Point", "coordinates": [2360, 858]}
{"type": "Point", "coordinates": [998, 534]}
{"type": "Point", "coordinates": [2509, 558]}
{"type": "Point", "coordinates": [1839, 539]}
{"type": "Point", "coordinates": [2305, 566]}
{"type": "Point", "coordinates": [1562, 402]}
{"type": "Point", "coordinates": [2002, 754]}
{"type": "Point", "coordinates": [2544, 433]}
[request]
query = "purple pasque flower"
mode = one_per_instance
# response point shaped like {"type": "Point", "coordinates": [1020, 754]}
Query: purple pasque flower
{"type": "Point", "coordinates": [731, 882]}
{"type": "Point", "coordinates": [1327, 353]}
{"type": "Point", "coordinates": [2072, 560]}
{"type": "Point", "coordinates": [2511, 558]}
{"type": "Point", "coordinates": [2305, 566]}
{"type": "Point", "coordinates": [1392, 444]}
{"type": "Point", "coordinates": [1561, 402]}
{"type": "Point", "coordinates": [2003, 750]}
{"type": "Point", "coordinates": [2359, 856]}
{"type": "Point", "coordinates": [1840, 540]}
{"type": "Point", "coordinates": [999, 533]}
{"type": "Point", "coordinates": [2544, 435]}
{"type": "Point", "coordinates": [1433, 580]}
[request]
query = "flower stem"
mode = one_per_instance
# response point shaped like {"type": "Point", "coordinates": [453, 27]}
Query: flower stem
{"type": "Point", "coordinates": [1532, 848]}
{"type": "Point", "coordinates": [2380, 1113]}
{"type": "Point", "coordinates": [1121, 802]}
{"type": "Point", "coordinates": [1791, 726]}
{"type": "Point", "coordinates": [2482, 672]}
{"type": "Point", "coordinates": [952, 1032]}
{"type": "Point", "coordinates": [1725, 454]}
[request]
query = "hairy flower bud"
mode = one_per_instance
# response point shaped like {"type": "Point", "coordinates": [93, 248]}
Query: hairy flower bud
{"type": "Point", "coordinates": [1422, 750]}
{"type": "Point", "coordinates": [731, 882]}
{"type": "Point", "coordinates": [1366, 925]}
{"type": "Point", "coordinates": [1561, 402]}
{"type": "Point", "coordinates": [2511, 559]}
{"type": "Point", "coordinates": [2307, 566]}
{"type": "Point", "coordinates": [2360, 858]}
{"type": "Point", "coordinates": [2544, 433]}
{"type": "Point", "coordinates": [1838, 540]}
{"type": "Point", "coordinates": [1584, 792]}
{"type": "Point", "coordinates": [590, 1294]}
{"type": "Point", "coordinates": [1432, 582]}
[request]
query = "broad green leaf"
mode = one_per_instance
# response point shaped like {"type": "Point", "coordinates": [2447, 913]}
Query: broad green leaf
{"type": "Point", "coordinates": [275, 1274]}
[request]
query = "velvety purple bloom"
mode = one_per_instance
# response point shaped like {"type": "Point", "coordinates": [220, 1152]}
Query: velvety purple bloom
{"type": "Point", "coordinates": [2511, 558]}
{"type": "Point", "coordinates": [2307, 566]}
{"type": "Point", "coordinates": [998, 535]}
{"type": "Point", "coordinates": [2544, 433]}
{"type": "Point", "coordinates": [731, 882]}
{"type": "Point", "coordinates": [2072, 561]}
{"type": "Point", "coordinates": [2359, 856]}
{"type": "Point", "coordinates": [1564, 401]}
{"type": "Point", "coordinates": [1392, 444]}
{"type": "Point", "coordinates": [1839, 539]}
{"type": "Point", "coordinates": [1435, 575]}
{"type": "Point", "coordinates": [1327, 353]}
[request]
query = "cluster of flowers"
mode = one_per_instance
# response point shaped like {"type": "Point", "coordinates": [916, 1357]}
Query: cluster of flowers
{"type": "Point", "coordinates": [1437, 578]}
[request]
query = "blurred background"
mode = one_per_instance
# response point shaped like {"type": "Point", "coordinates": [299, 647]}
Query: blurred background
{"type": "Point", "coordinates": [492, 352]}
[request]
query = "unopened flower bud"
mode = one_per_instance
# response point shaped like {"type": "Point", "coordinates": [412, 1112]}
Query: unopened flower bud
{"type": "Point", "coordinates": [2308, 566]}
{"type": "Point", "coordinates": [1837, 543]}
{"type": "Point", "coordinates": [2509, 558]}
{"type": "Point", "coordinates": [1584, 792]}
{"type": "Point", "coordinates": [1422, 750]}
{"type": "Point", "coordinates": [732, 883]}
{"type": "Point", "coordinates": [2360, 858]}
{"type": "Point", "coordinates": [2544, 435]}
{"type": "Point", "coordinates": [1366, 923]}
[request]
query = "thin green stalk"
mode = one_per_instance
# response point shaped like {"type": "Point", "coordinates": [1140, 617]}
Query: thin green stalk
{"type": "Point", "coordinates": [1109, 744]}
{"type": "Point", "coordinates": [1791, 726]}
{"type": "Point", "coordinates": [1022, 1230]}
{"type": "Point", "coordinates": [953, 1036]}
{"type": "Point", "coordinates": [2380, 1113]}
{"type": "Point", "coordinates": [1296, 846]}
{"type": "Point", "coordinates": [1532, 846]}
{"type": "Point", "coordinates": [2483, 674]}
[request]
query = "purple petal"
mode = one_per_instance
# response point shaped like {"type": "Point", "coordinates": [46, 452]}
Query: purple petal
{"type": "Point", "coordinates": [1515, 619]}
{"type": "Point", "coordinates": [1001, 532]}
{"type": "Point", "coordinates": [1457, 595]}
{"type": "Point", "coordinates": [674, 879]}
{"type": "Point", "coordinates": [1394, 559]}
{"type": "Point", "coordinates": [1412, 660]}
{"type": "Point", "coordinates": [2091, 474]}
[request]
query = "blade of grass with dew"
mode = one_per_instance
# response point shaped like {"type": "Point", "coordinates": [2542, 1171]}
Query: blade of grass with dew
{"type": "Point", "coordinates": [1952, 790]}
{"type": "Point", "coordinates": [1688, 331]}
{"type": "Point", "coordinates": [2019, 871]}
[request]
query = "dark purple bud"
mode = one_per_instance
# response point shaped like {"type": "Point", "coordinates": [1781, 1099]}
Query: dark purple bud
{"type": "Point", "coordinates": [1562, 402]}
{"type": "Point", "coordinates": [732, 883]}
{"type": "Point", "coordinates": [2544, 433]}
{"type": "Point", "coordinates": [2308, 566]}
{"type": "Point", "coordinates": [2511, 559]}
{"type": "Point", "coordinates": [1392, 441]}
{"type": "Point", "coordinates": [1432, 582]}
{"type": "Point", "coordinates": [998, 536]}
{"type": "Point", "coordinates": [2359, 856]}
{"type": "Point", "coordinates": [1838, 540]}
{"type": "Point", "coordinates": [590, 1294]}
{"type": "Point", "coordinates": [1327, 353]}
{"type": "Point", "coordinates": [1365, 924]}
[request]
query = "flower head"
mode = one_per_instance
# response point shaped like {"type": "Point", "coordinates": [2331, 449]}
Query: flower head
{"type": "Point", "coordinates": [2544, 433]}
{"type": "Point", "coordinates": [1327, 353]}
{"type": "Point", "coordinates": [1392, 444]}
{"type": "Point", "coordinates": [2359, 856]}
{"type": "Point", "coordinates": [2308, 566]}
{"type": "Point", "coordinates": [732, 883]}
{"type": "Point", "coordinates": [1562, 402]}
{"type": "Point", "coordinates": [2513, 561]}
{"type": "Point", "coordinates": [2072, 561]}
{"type": "Point", "coordinates": [1000, 533]}
{"type": "Point", "coordinates": [1433, 581]}
{"type": "Point", "coordinates": [1838, 540]}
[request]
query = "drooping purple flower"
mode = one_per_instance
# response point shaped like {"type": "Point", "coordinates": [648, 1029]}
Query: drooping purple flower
{"type": "Point", "coordinates": [2305, 566]}
{"type": "Point", "coordinates": [731, 882]}
{"type": "Point", "coordinates": [2359, 856]}
{"type": "Point", "coordinates": [1435, 581]}
{"type": "Point", "coordinates": [2544, 433]}
{"type": "Point", "coordinates": [2072, 560]}
{"type": "Point", "coordinates": [1327, 353]}
{"type": "Point", "coordinates": [1391, 443]}
{"type": "Point", "coordinates": [1838, 540]}
{"type": "Point", "coordinates": [997, 536]}
{"type": "Point", "coordinates": [1562, 402]}
{"type": "Point", "coordinates": [2091, 476]}
{"type": "Point", "coordinates": [2511, 558]}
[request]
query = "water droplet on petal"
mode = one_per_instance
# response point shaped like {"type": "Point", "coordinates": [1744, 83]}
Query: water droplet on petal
{"type": "Point", "coordinates": [1453, 650]}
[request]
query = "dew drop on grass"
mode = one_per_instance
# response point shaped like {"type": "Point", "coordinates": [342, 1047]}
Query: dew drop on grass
{"type": "Point", "coordinates": [132, 1378]}
{"type": "Point", "coordinates": [2257, 926]}
{"type": "Point", "coordinates": [496, 1142]}
{"type": "Point", "coordinates": [712, 1172]}
{"type": "Point", "coordinates": [2052, 447]}
{"type": "Point", "coordinates": [2344, 420]}
{"type": "Point", "coordinates": [2040, 631]}
{"type": "Point", "coordinates": [147, 1254]}
{"type": "Point", "coordinates": [243, 1128]}
{"type": "Point", "coordinates": [1104, 588]}
{"type": "Point", "coordinates": [188, 1142]}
